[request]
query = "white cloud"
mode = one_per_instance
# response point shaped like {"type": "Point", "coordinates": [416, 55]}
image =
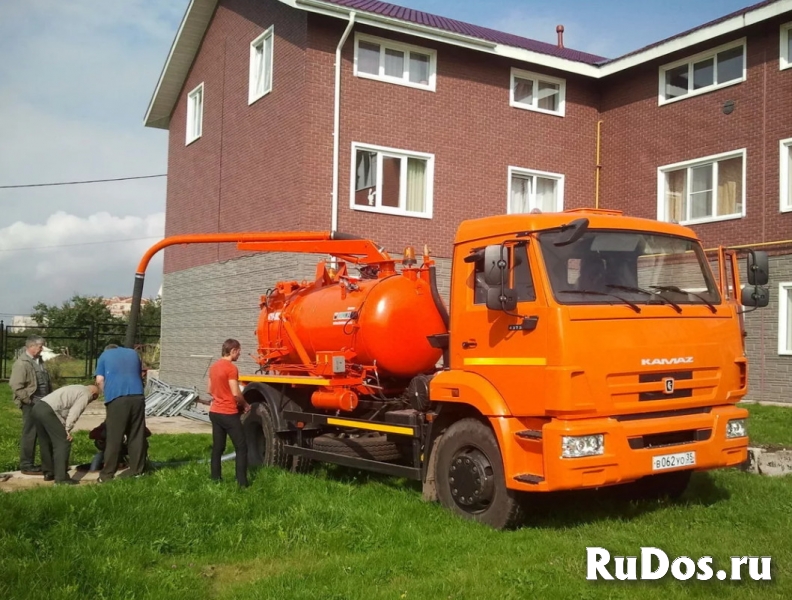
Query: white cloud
{"type": "Point", "coordinates": [68, 255]}
{"type": "Point", "coordinates": [77, 78]}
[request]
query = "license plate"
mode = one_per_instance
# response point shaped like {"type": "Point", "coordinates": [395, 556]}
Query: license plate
{"type": "Point", "coordinates": [672, 461]}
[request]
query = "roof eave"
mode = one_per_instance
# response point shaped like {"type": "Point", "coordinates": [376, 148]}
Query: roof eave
{"type": "Point", "coordinates": [698, 36]}
{"type": "Point", "coordinates": [177, 66]}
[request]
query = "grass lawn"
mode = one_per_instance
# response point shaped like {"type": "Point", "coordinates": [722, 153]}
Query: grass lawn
{"type": "Point", "coordinates": [338, 534]}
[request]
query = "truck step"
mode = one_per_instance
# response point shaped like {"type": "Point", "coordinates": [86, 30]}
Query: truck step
{"type": "Point", "coordinates": [532, 479]}
{"type": "Point", "coordinates": [530, 434]}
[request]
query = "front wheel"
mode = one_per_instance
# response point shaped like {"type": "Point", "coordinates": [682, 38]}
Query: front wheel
{"type": "Point", "coordinates": [470, 478]}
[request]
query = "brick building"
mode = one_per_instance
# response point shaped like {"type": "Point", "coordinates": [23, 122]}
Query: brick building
{"type": "Point", "coordinates": [440, 121]}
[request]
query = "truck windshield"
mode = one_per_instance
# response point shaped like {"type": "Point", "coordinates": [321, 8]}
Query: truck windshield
{"type": "Point", "coordinates": [610, 267]}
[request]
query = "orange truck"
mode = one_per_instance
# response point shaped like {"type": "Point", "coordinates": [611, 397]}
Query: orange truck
{"type": "Point", "coordinates": [582, 349]}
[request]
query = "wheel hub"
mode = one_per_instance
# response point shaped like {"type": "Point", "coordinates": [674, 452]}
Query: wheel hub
{"type": "Point", "coordinates": [471, 480]}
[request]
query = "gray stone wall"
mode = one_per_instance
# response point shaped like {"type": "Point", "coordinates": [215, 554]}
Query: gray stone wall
{"type": "Point", "coordinates": [769, 374]}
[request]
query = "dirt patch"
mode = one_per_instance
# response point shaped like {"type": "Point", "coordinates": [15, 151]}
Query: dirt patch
{"type": "Point", "coordinates": [95, 414]}
{"type": "Point", "coordinates": [92, 417]}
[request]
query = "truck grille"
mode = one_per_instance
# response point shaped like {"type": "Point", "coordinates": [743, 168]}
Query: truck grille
{"type": "Point", "coordinates": [675, 438]}
{"type": "Point", "coordinates": [657, 377]}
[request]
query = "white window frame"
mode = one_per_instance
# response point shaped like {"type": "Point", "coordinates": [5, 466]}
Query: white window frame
{"type": "Point", "coordinates": [405, 154]}
{"type": "Point", "coordinates": [401, 47]}
{"type": "Point", "coordinates": [194, 121]}
{"type": "Point", "coordinates": [785, 198]}
{"type": "Point", "coordinates": [784, 318]}
{"type": "Point", "coordinates": [690, 61]}
{"type": "Point", "coordinates": [559, 178]}
{"type": "Point", "coordinates": [661, 171]}
{"type": "Point", "coordinates": [253, 77]}
{"type": "Point", "coordinates": [536, 78]}
{"type": "Point", "coordinates": [785, 61]}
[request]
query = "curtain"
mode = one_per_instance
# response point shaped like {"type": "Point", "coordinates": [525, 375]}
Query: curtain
{"type": "Point", "coordinates": [419, 68]}
{"type": "Point", "coordinates": [368, 58]}
{"type": "Point", "coordinates": [676, 207]}
{"type": "Point", "coordinates": [730, 186]}
{"type": "Point", "coordinates": [523, 90]}
{"type": "Point", "coordinates": [548, 95]}
{"type": "Point", "coordinates": [416, 185]}
{"type": "Point", "coordinates": [394, 63]}
{"type": "Point", "coordinates": [546, 194]}
{"type": "Point", "coordinates": [520, 201]}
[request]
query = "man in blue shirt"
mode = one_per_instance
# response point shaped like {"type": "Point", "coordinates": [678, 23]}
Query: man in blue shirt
{"type": "Point", "coordinates": [118, 375]}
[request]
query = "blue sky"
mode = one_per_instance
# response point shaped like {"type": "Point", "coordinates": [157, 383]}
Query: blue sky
{"type": "Point", "coordinates": [77, 77]}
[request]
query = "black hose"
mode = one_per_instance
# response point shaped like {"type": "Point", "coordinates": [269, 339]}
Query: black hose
{"type": "Point", "coordinates": [441, 308]}
{"type": "Point", "coordinates": [134, 311]}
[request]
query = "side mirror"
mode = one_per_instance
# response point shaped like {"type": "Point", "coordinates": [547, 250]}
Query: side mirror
{"type": "Point", "coordinates": [495, 264]}
{"type": "Point", "coordinates": [572, 232]}
{"type": "Point", "coordinates": [506, 301]}
{"type": "Point", "coordinates": [756, 296]}
{"type": "Point", "coordinates": [758, 268]}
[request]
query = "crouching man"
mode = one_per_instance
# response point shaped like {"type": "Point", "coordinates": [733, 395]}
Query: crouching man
{"type": "Point", "coordinates": [55, 416]}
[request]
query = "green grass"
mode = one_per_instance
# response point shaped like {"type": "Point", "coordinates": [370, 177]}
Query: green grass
{"type": "Point", "coordinates": [338, 534]}
{"type": "Point", "coordinates": [770, 425]}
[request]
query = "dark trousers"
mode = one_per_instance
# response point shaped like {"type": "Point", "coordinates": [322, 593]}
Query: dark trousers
{"type": "Point", "coordinates": [27, 443]}
{"type": "Point", "coordinates": [230, 425]}
{"type": "Point", "coordinates": [126, 415]}
{"type": "Point", "coordinates": [55, 447]}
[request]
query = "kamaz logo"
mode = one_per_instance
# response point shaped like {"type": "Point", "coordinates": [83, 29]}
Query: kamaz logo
{"type": "Point", "coordinates": [682, 360]}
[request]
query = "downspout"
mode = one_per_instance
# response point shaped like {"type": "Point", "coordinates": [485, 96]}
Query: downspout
{"type": "Point", "coordinates": [598, 167]}
{"type": "Point", "coordinates": [337, 120]}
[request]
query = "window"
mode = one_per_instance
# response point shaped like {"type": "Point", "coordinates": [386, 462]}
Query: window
{"type": "Point", "coordinates": [785, 51]}
{"type": "Point", "coordinates": [378, 58]}
{"type": "Point", "coordinates": [702, 190]}
{"type": "Point", "coordinates": [785, 318]}
{"type": "Point", "coordinates": [260, 66]}
{"type": "Point", "coordinates": [537, 92]}
{"type": "Point", "coordinates": [519, 276]}
{"type": "Point", "coordinates": [195, 114]}
{"type": "Point", "coordinates": [786, 173]}
{"type": "Point", "coordinates": [703, 73]}
{"type": "Point", "coordinates": [392, 181]}
{"type": "Point", "coordinates": [529, 190]}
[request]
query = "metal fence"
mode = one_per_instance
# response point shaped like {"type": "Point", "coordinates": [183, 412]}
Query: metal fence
{"type": "Point", "coordinates": [82, 344]}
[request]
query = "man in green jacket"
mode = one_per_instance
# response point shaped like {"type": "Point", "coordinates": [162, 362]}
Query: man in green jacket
{"type": "Point", "coordinates": [29, 383]}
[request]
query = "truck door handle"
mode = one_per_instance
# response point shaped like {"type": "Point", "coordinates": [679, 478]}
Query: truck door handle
{"type": "Point", "coordinates": [469, 344]}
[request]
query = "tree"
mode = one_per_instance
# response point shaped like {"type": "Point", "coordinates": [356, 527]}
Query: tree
{"type": "Point", "coordinates": [150, 321]}
{"type": "Point", "coordinates": [69, 325]}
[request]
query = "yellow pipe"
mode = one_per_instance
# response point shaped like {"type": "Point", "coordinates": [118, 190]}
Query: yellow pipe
{"type": "Point", "coordinates": [760, 245]}
{"type": "Point", "coordinates": [598, 167]}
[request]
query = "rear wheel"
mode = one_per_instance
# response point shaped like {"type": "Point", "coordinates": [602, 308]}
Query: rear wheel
{"type": "Point", "coordinates": [265, 446]}
{"type": "Point", "coordinates": [470, 478]}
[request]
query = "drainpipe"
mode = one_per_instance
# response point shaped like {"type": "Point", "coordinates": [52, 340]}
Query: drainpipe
{"type": "Point", "coordinates": [337, 120]}
{"type": "Point", "coordinates": [598, 167]}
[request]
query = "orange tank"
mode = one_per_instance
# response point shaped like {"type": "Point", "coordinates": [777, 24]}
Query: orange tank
{"type": "Point", "coordinates": [372, 321]}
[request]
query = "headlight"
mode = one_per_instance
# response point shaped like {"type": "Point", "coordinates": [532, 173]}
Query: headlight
{"type": "Point", "coordinates": [736, 428]}
{"type": "Point", "coordinates": [584, 445]}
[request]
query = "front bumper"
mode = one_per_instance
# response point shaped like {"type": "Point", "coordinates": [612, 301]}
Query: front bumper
{"type": "Point", "coordinates": [626, 455]}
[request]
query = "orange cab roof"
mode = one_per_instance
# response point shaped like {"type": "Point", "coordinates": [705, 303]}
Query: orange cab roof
{"type": "Point", "coordinates": [476, 229]}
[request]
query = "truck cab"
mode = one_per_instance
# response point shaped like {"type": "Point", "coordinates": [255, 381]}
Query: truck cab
{"type": "Point", "coordinates": [601, 349]}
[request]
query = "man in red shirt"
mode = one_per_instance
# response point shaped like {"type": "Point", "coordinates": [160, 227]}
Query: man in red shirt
{"type": "Point", "coordinates": [224, 413]}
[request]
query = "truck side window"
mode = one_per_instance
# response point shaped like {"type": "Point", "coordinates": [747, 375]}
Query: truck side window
{"type": "Point", "coordinates": [519, 277]}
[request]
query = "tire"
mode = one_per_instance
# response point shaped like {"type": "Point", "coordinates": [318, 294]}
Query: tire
{"type": "Point", "coordinates": [371, 447]}
{"type": "Point", "coordinates": [469, 460]}
{"type": "Point", "coordinates": [654, 487]}
{"type": "Point", "coordinates": [265, 446]}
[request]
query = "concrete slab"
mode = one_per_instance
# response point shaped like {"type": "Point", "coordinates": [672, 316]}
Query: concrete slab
{"type": "Point", "coordinates": [772, 463]}
{"type": "Point", "coordinates": [95, 414]}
